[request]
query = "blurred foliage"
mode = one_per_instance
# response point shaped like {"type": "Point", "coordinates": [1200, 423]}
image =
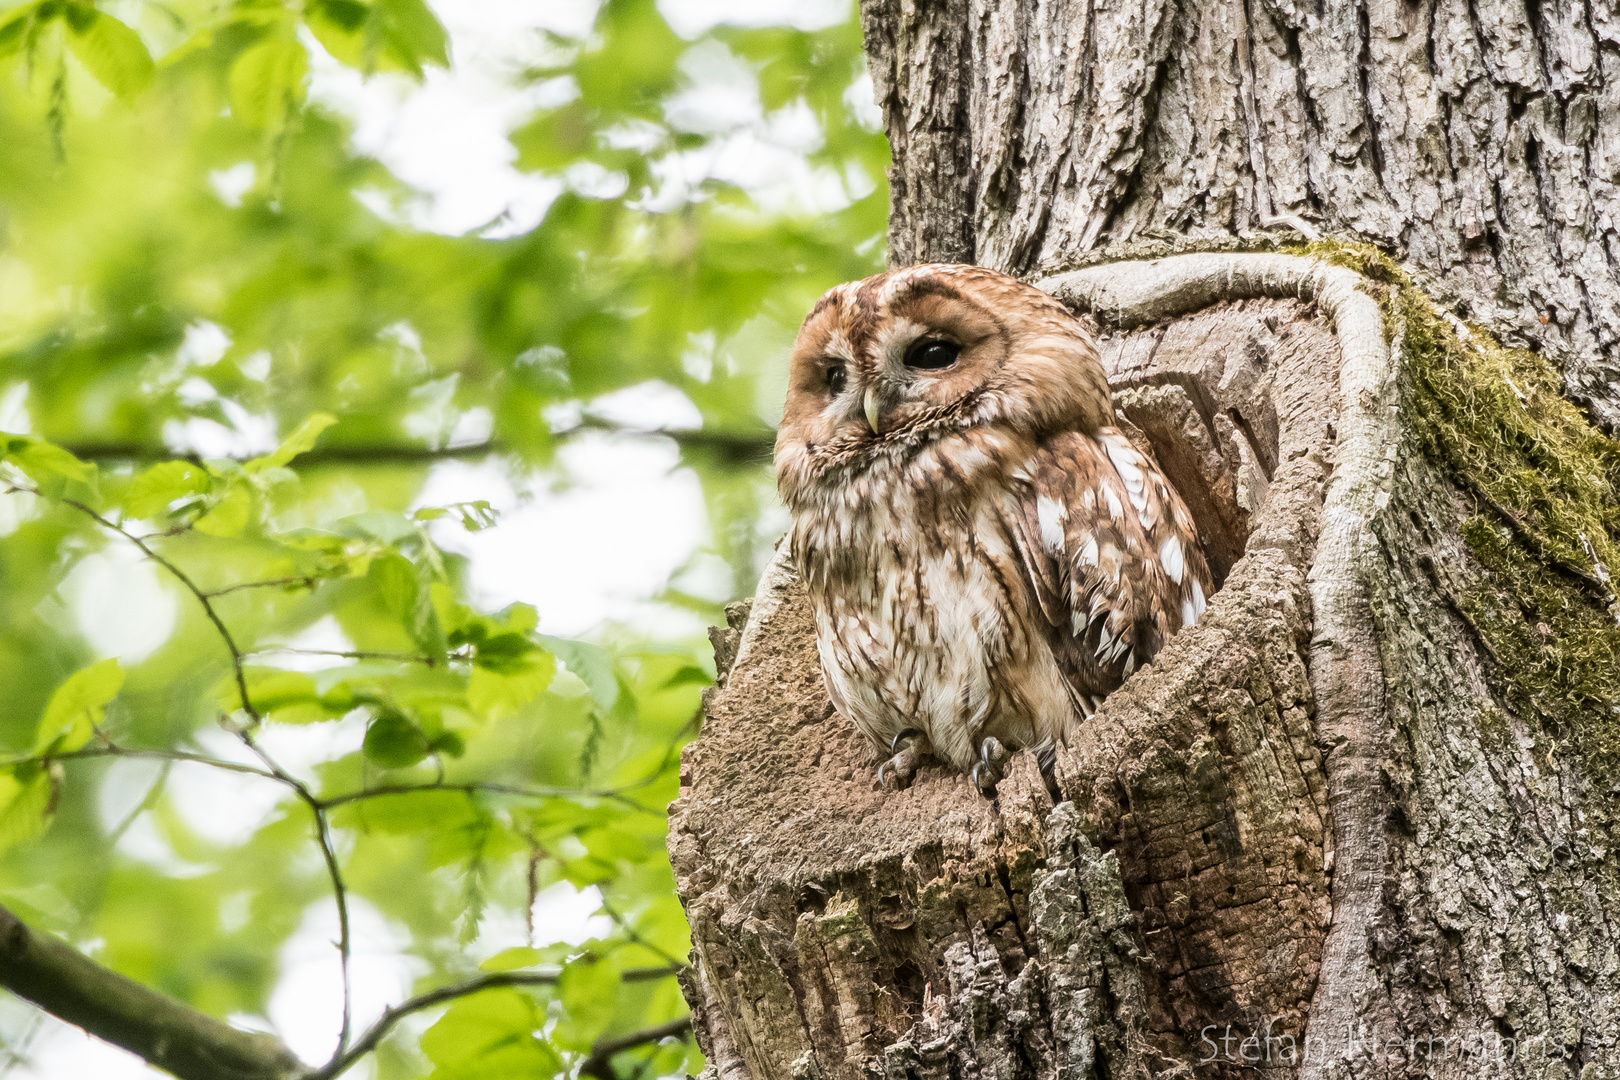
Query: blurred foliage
{"type": "Point", "coordinates": [446, 764]}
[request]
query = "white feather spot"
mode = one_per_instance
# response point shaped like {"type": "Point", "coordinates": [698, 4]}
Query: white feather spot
{"type": "Point", "coordinates": [1193, 605]}
{"type": "Point", "coordinates": [1104, 639]}
{"type": "Point", "coordinates": [1088, 554]}
{"type": "Point", "coordinates": [1170, 558]}
{"type": "Point", "coordinates": [1114, 508]}
{"type": "Point", "coordinates": [1051, 515]}
{"type": "Point", "coordinates": [1128, 463]}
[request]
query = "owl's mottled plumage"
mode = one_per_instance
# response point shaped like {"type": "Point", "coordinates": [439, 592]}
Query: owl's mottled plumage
{"type": "Point", "coordinates": [986, 553]}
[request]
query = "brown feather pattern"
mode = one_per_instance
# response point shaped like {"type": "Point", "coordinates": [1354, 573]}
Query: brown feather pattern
{"type": "Point", "coordinates": [994, 557]}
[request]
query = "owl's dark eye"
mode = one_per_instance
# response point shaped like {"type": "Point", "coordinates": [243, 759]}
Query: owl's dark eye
{"type": "Point", "coordinates": [835, 380]}
{"type": "Point", "coordinates": [931, 354]}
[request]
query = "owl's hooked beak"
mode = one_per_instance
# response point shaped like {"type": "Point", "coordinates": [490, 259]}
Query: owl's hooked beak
{"type": "Point", "coordinates": [874, 410]}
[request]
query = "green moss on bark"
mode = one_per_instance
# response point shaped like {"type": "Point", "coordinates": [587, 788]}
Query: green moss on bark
{"type": "Point", "coordinates": [1546, 524]}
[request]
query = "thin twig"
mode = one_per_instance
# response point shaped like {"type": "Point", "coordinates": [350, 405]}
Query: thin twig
{"type": "Point", "coordinates": [143, 806]}
{"type": "Point", "coordinates": [307, 581]}
{"type": "Point", "coordinates": [323, 838]}
{"type": "Point", "coordinates": [373, 1035]}
{"type": "Point", "coordinates": [600, 1062]}
{"type": "Point", "coordinates": [191, 586]}
{"type": "Point", "coordinates": [477, 786]}
{"type": "Point", "coordinates": [113, 750]}
{"type": "Point", "coordinates": [635, 937]}
{"type": "Point", "coordinates": [323, 832]}
{"type": "Point", "coordinates": [347, 654]}
{"type": "Point", "coordinates": [732, 447]}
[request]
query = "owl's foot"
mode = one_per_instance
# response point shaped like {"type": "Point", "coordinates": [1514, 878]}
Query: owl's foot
{"type": "Point", "coordinates": [908, 747]}
{"type": "Point", "coordinates": [991, 766]}
{"type": "Point", "coordinates": [1046, 758]}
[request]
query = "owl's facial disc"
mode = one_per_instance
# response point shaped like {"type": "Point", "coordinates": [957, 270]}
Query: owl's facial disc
{"type": "Point", "coordinates": [886, 365]}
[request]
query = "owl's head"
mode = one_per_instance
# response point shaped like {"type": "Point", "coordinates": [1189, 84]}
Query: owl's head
{"type": "Point", "coordinates": [884, 366]}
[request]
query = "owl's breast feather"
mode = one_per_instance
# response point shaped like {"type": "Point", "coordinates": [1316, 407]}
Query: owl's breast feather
{"type": "Point", "coordinates": [924, 620]}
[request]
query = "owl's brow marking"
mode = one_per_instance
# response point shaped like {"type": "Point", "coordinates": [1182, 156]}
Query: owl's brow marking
{"type": "Point", "coordinates": [837, 347]}
{"type": "Point", "coordinates": [924, 285]}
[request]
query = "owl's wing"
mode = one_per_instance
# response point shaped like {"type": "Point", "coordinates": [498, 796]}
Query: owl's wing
{"type": "Point", "coordinates": [1111, 554]}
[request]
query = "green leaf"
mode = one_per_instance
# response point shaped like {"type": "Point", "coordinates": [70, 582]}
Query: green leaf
{"type": "Point", "coordinates": [380, 35]}
{"type": "Point", "coordinates": [14, 27]}
{"type": "Point", "coordinates": [592, 664]}
{"type": "Point", "coordinates": [111, 51]}
{"type": "Point", "coordinates": [613, 845]}
{"type": "Point", "coordinates": [415, 36]}
{"type": "Point", "coordinates": [589, 991]}
{"type": "Point", "coordinates": [40, 459]}
{"type": "Point", "coordinates": [384, 525]}
{"type": "Point", "coordinates": [25, 804]}
{"type": "Point", "coordinates": [355, 682]}
{"type": "Point", "coordinates": [398, 583]}
{"type": "Point", "coordinates": [393, 742]}
{"type": "Point", "coordinates": [408, 813]}
{"type": "Point", "coordinates": [230, 515]}
{"type": "Point", "coordinates": [555, 139]}
{"type": "Point", "coordinates": [518, 956]}
{"type": "Point", "coordinates": [267, 80]}
{"type": "Point", "coordinates": [299, 442]}
{"type": "Point", "coordinates": [154, 490]}
{"type": "Point", "coordinates": [76, 708]}
{"type": "Point", "coordinates": [474, 516]}
{"type": "Point", "coordinates": [490, 1036]}
{"type": "Point", "coordinates": [499, 693]}
{"type": "Point", "coordinates": [285, 697]}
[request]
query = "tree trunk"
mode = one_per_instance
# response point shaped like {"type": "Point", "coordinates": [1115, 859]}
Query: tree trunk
{"type": "Point", "coordinates": [1479, 141]}
{"type": "Point", "coordinates": [1356, 820]}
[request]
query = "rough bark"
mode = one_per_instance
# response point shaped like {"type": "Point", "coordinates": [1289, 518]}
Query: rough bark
{"type": "Point", "coordinates": [167, 1034]}
{"type": "Point", "coordinates": [1479, 140]}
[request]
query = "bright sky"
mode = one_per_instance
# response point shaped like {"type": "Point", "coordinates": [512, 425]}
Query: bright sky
{"type": "Point", "coordinates": [636, 516]}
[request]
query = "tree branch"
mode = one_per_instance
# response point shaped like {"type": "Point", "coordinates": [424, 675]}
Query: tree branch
{"type": "Point", "coordinates": [192, 1045]}
{"type": "Point", "coordinates": [323, 832]}
{"type": "Point", "coordinates": [373, 1035]}
{"type": "Point", "coordinates": [736, 448]}
{"type": "Point", "coordinates": [178, 1039]}
{"type": "Point", "coordinates": [600, 1062]}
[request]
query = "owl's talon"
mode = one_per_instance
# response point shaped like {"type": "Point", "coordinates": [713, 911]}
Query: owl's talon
{"type": "Point", "coordinates": [908, 748]}
{"type": "Point", "coordinates": [1046, 759]}
{"type": "Point", "coordinates": [909, 735]}
{"type": "Point", "coordinates": [991, 766]}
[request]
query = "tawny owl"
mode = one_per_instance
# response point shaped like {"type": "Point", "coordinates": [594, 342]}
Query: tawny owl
{"type": "Point", "coordinates": [987, 554]}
